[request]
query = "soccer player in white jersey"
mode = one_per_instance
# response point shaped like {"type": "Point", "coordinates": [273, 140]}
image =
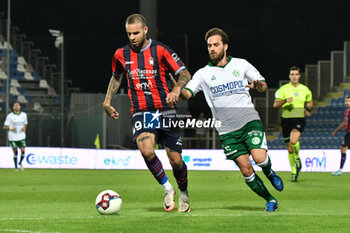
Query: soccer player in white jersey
{"type": "Point", "coordinates": [225, 82]}
{"type": "Point", "coordinates": [16, 124]}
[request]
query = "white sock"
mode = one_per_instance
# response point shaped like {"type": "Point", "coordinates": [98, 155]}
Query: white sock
{"type": "Point", "coordinates": [167, 186]}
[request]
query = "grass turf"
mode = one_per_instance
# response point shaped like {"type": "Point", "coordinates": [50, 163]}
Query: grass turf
{"type": "Point", "coordinates": [45, 200]}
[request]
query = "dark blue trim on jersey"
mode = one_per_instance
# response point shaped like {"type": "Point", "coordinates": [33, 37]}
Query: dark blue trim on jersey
{"type": "Point", "coordinates": [179, 61]}
{"type": "Point", "coordinates": [158, 80]}
{"type": "Point", "coordinates": [143, 80]}
{"type": "Point", "coordinates": [134, 98]}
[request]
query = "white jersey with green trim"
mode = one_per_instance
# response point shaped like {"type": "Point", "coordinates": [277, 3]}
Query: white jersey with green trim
{"type": "Point", "coordinates": [225, 92]}
{"type": "Point", "coordinates": [17, 121]}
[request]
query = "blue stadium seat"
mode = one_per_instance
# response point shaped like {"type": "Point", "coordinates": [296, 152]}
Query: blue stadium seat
{"type": "Point", "coordinates": [36, 75]}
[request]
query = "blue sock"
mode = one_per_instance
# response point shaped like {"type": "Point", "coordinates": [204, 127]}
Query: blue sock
{"type": "Point", "coordinates": [181, 177]}
{"type": "Point", "coordinates": [156, 167]}
{"type": "Point", "coordinates": [342, 161]}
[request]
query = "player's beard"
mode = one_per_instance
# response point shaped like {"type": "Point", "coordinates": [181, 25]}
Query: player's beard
{"type": "Point", "coordinates": [138, 46]}
{"type": "Point", "coordinates": [215, 60]}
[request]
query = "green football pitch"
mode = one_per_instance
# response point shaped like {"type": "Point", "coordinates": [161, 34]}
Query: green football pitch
{"type": "Point", "coordinates": [45, 200]}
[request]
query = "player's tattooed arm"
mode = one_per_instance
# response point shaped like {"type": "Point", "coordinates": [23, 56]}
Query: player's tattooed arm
{"type": "Point", "coordinates": [112, 89]}
{"type": "Point", "coordinates": [184, 94]}
{"type": "Point", "coordinates": [183, 78]}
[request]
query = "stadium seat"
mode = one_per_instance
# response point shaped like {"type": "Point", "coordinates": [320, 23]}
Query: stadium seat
{"type": "Point", "coordinates": [3, 75]}
{"type": "Point", "coordinates": [36, 75]}
{"type": "Point", "coordinates": [21, 60]}
{"type": "Point", "coordinates": [14, 91]}
{"type": "Point", "coordinates": [43, 83]}
{"type": "Point", "coordinates": [21, 68]}
{"type": "Point", "coordinates": [22, 99]}
{"type": "Point", "coordinates": [14, 83]}
{"type": "Point", "coordinates": [3, 45]}
{"type": "Point", "coordinates": [28, 76]}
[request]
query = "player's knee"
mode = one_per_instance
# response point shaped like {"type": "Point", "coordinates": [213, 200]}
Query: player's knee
{"type": "Point", "coordinates": [176, 162]}
{"type": "Point", "coordinates": [247, 171]}
{"type": "Point", "coordinates": [294, 141]}
{"type": "Point", "coordinates": [147, 153]}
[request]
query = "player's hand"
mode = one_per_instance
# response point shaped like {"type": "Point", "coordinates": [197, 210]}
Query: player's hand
{"type": "Point", "coordinates": [307, 113]}
{"type": "Point", "coordinates": [255, 84]}
{"type": "Point", "coordinates": [23, 129]}
{"type": "Point", "coordinates": [111, 112]}
{"type": "Point", "coordinates": [334, 133]}
{"type": "Point", "coordinates": [14, 129]}
{"type": "Point", "coordinates": [288, 106]}
{"type": "Point", "coordinates": [173, 97]}
{"type": "Point", "coordinates": [290, 99]}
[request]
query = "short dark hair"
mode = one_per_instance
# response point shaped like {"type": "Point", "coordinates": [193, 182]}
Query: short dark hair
{"type": "Point", "coordinates": [136, 18]}
{"type": "Point", "coordinates": [347, 97]}
{"type": "Point", "coordinates": [219, 32]}
{"type": "Point", "coordinates": [294, 68]}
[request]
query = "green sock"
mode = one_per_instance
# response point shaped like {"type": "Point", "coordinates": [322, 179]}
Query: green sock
{"type": "Point", "coordinates": [292, 162]}
{"type": "Point", "coordinates": [257, 185]}
{"type": "Point", "coordinates": [296, 149]}
{"type": "Point", "coordinates": [15, 160]}
{"type": "Point", "coordinates": [20, 161]}
{"type": "Point", "coordinates": [266, 166]}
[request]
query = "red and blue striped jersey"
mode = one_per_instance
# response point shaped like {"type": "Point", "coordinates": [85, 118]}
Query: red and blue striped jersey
{"type": "Point", "coordinates": [147, 74]}
{"type": "Point", "coordinates": [347, 119]}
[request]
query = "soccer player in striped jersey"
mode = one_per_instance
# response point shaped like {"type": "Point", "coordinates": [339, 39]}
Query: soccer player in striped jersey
{"type": "Point", "coordinates": [225, 82]}
{"type": "Point", "coordinates": [147, 64]}
{"type": "Point", "coordinates": [346, 141]}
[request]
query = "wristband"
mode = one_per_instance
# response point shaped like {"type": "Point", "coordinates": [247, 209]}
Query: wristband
{"type": "Point", "coordinates": [308, 108]}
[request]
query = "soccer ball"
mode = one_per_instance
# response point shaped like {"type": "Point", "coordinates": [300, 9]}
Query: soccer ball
{"type": "Point", "coordinates": [108, 202]}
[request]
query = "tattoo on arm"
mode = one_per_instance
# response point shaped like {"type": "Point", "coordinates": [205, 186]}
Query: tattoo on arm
{"type": "Point", "coordinates": [113, 86]}
{"type": "Point", "coordinates": [143, 138]}
{"type": "Point", "coordinates": [184, 78]}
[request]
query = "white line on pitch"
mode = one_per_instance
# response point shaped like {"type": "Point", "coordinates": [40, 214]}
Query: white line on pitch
{"type": "Point", "coordinates": [262, 214]}
{"type": "Point", "coordinates": [25, 231]}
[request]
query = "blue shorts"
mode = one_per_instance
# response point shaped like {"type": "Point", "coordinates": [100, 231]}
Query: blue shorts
{"type": "Point", "coordinates": [346, 140]}
{"type": "Point", "coordinates": [166, 134]}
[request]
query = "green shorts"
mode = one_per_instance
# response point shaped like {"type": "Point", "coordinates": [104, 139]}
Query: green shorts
{"type": "Point", "coordinates": [239, 142]}
{"type": "Point", "coordinates": [15, 144]}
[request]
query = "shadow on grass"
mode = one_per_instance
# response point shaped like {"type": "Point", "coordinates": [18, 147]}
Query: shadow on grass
{"type": "Point", "coordinates": [246, 208]}
{"type": "Point", "coordinates": [156, 209]}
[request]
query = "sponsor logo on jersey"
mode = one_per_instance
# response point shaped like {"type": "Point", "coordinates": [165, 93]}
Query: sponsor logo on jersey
{"type": "Point", "coordinates": [141, 74]}
{"type": "Point", "coordinates": [213, 78]}
{"type": "Point", "coordinates": [255, 140]}
{"type": "Point", "coordinates": [151, 61]}
{"type": "Point", "coordinates": [236, 73]}
{"type": "Point", "coordinates": [144, 85]}
{"type": "Point", "coordinates": [175, 56]}
{"type": "Point", "coordinates": [227, 88]}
